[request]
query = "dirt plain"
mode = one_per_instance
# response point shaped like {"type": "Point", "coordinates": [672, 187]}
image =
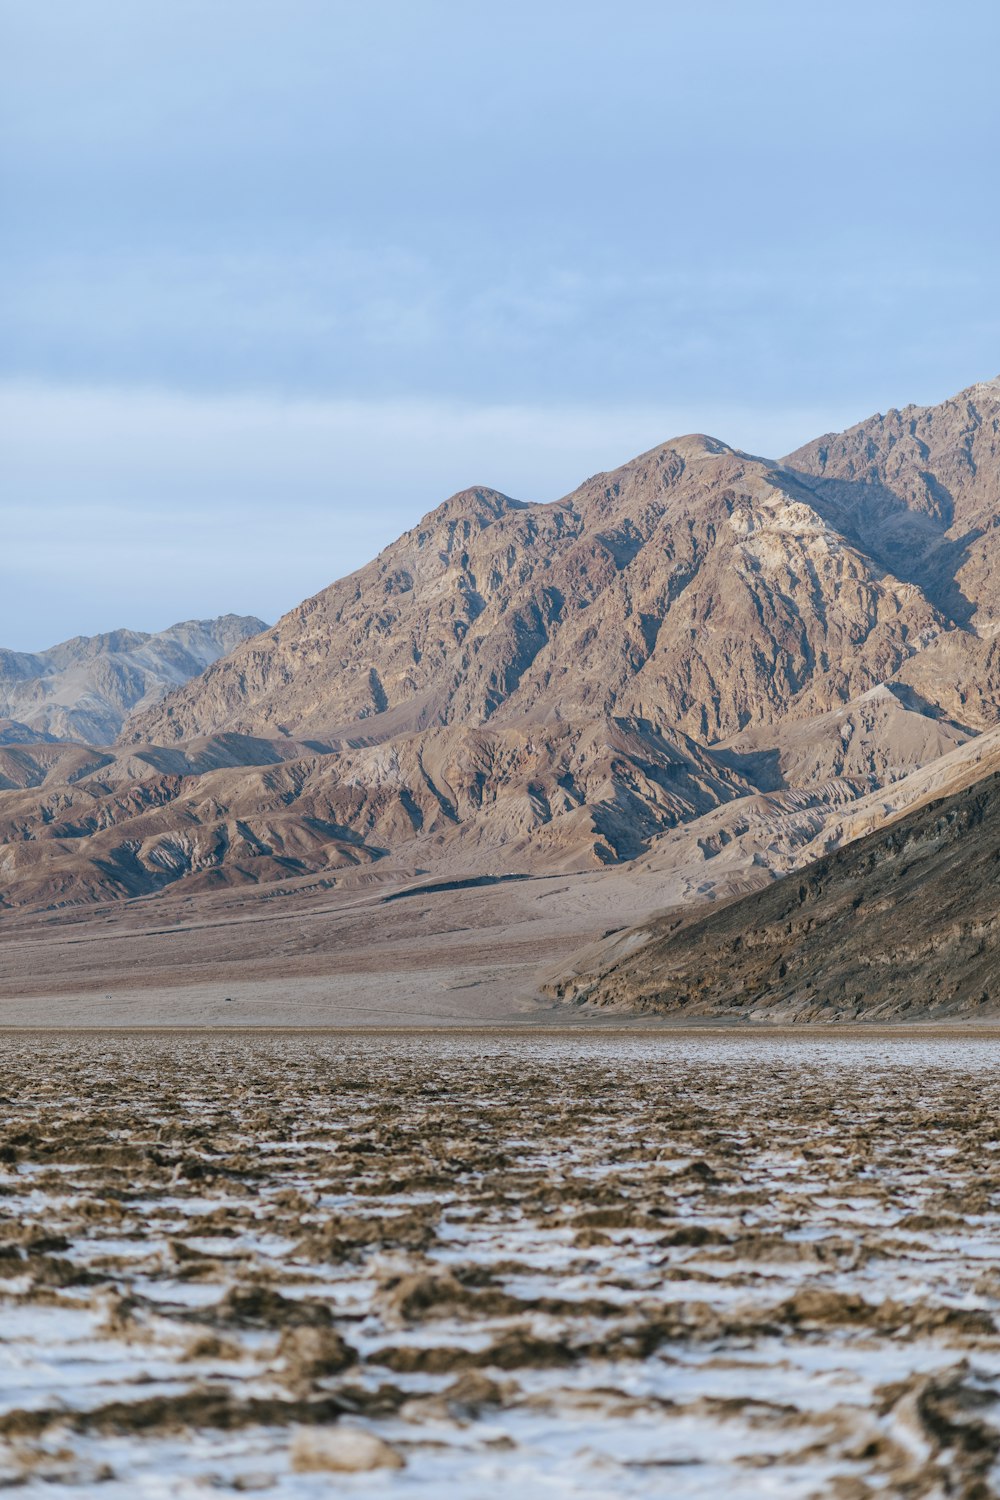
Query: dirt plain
{"type": "Point", "coordinates": [423, 955]}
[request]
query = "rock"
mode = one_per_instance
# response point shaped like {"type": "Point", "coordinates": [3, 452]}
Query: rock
{"type": "Point", "coordinates": [341, 1450]}
{"type": "Point", "coordinates": [312, 1353]}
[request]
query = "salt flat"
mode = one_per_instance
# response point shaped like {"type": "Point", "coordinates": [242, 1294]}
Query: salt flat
{"type": "Point", "coordinates": [727, 1263]}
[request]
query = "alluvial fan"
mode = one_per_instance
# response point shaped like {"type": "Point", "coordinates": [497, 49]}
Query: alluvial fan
{"type": "Point", "coordinates": [591, 1266]}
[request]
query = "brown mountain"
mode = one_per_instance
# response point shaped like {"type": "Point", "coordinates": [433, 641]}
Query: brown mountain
{"type": "Point", "coordinates": [698, 636]}
{"type": "Point", "coordinates": [696, 587]}
{"type": "Point", "coordinates": [918, 490]}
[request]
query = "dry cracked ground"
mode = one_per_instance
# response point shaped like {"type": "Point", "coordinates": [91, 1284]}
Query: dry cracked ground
{"type": "Point", "coordinates": [664, 1265]}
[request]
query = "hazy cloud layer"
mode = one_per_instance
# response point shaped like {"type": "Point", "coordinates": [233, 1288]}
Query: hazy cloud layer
{"type": "Point", "coordinates": [512, 243]}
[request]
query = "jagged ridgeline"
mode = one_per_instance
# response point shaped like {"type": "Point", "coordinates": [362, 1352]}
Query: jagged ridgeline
{"type": "Point", "coordinates": [512, 687]}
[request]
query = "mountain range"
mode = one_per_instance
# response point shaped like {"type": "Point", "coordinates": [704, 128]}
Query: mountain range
{"type": "Point", "coordinates": [706, 666]}
{"type": "Point", "coordinates": [83, 689]}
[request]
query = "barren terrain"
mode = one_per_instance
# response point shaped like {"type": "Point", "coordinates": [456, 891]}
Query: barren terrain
{"type": "Point", "coordinates": [690, 1265]}
{"type": "Point", "coordinates": [525, 688]}
{"type": "Point", "coordinates": [376, 955]}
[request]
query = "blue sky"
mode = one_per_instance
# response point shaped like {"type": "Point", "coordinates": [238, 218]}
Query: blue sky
{"type": "Point", "coordinates": [279, 275]}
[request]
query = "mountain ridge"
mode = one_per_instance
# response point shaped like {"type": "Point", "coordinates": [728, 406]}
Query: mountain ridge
{"type": "Point", "coordinates": [516, 687]}
{"type": "Point", "coordinates": [494, 622]}
{"type": "Point", "coordinates": [901, 922]}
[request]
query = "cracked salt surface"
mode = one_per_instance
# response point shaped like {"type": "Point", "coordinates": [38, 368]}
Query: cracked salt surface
{"type": "Point", "coordinates": [695, 1266]}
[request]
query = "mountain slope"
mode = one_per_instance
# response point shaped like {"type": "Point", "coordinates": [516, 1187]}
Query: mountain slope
{"type": "Point", "coordinates": [902, 923]}
{"type": "Point", "coordinates": [78, 825]}
{"type": "Point", "coordinates": [84, 688]}
{"type": "Point", "coordinates": [557, 797]}
{"type": "Point", "coordinates": [918, 490]}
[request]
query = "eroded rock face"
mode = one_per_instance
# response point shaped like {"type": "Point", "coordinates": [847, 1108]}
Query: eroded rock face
{"type": "Point", "coordinates": [557, 796]}
{"type": "Point", "coordinates": [919, 490]}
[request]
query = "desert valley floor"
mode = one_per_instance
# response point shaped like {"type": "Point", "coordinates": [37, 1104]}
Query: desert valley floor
{"type": "Point", "coordinates": [477, 954]}
{"type": "Point", "coordinates": [395, 1095]}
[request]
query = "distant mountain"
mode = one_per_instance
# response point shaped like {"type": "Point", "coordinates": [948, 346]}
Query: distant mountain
{"type": "Point", "coordinates": [701, 649]}
{"type": "Point", "coordinates": [83, 689]}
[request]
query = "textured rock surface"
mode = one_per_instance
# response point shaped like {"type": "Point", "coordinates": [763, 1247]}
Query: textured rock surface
{"type": "Point", "coordinates": [81, 825]}
{"type": "Point", "coordinates": [84, 688]}
{"type": "Point", "coordinates": [919, 490]}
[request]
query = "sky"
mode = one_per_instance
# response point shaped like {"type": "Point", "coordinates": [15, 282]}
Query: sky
{"type": "Point", "coordinates": [278, 276]}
